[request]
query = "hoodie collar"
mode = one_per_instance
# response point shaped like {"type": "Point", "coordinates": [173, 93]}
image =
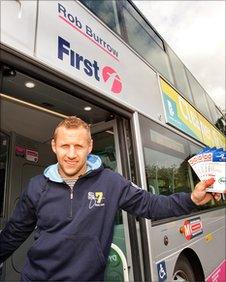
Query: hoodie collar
{"type": "Point", "coordinates": [93, 163]}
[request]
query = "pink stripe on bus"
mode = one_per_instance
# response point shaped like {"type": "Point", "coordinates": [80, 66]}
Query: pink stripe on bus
{"type": "Point", "coordinates": [219, 274]}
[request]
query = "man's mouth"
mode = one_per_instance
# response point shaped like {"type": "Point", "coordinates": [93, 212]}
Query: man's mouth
{"type": "Point", "coordinates": [71, 163]}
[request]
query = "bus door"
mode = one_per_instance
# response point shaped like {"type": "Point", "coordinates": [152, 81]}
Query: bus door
{"type": "Point", "coordinates": [28, 117]}
{"type": "Point", "coordinates": [106, 146]}
{"type": "Point", "coordinates": [4, 159]}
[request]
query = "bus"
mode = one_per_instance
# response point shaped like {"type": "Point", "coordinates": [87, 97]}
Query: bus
{"type": "Point", "coordinates": [104, 62]}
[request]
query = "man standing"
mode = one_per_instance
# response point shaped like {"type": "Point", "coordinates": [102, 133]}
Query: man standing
{"type": "Point", "coordinates": [72, 207]}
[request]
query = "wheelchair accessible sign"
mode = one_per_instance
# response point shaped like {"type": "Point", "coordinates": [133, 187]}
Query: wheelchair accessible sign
{"type": "Point", "coordinates": [162, 274]}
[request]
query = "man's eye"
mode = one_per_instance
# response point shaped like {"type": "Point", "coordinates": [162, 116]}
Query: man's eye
{"type": "Point", "coordinates": [64, 146]}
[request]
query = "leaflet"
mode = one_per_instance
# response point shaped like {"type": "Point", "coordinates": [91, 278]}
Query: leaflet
{"type": "Point", "coordinates": [210, 163]}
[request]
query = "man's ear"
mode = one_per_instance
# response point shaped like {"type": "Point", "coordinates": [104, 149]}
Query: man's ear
{"type": "Point", "coordinates": [53, 145]}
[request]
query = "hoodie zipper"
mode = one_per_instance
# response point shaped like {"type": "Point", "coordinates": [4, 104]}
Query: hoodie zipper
{"type": "Point", "coordinates": [71, 200]}
{"type": "Point", "coordinates": [72, 192]}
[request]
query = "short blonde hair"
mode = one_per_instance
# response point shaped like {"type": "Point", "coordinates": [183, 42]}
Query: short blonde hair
{"type": "Point", "coordinates": [72, 122]}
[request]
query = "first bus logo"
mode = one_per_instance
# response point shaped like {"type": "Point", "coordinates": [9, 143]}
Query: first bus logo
{"type": "Point", "coordinates": [89, 67]}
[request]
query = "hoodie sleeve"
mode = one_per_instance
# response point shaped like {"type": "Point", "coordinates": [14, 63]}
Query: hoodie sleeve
{"type": "Point", "coordinates": [18, 228]}
{"type": "Point", "coordinates": [141, 203]}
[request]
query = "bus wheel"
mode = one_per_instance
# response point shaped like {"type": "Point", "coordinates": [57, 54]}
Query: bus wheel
{"type": "Point", "coordinates": [183, 270]}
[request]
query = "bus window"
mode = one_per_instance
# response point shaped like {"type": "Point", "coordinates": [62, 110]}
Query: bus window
{"type": "Point", "coordinates": [180, 75]}
{"type": "Point", "coordinates": [221, 121]}
{"type": "Point", "coordinates": [104, 148]}
{"type": "Point", "coordinates": [106, 11]}
{"type": "Point", "coordinates": [165, 173]}
{"type": "Point", "coordinates": [166, 159]}
{"type": "Point", "coordinates": [145, 41]}
{"type": "Point", "coordinates": [199, 96]}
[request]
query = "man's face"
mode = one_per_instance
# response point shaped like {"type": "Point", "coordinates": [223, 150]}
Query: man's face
{"type": "Point", "coordinates": [71, 147]}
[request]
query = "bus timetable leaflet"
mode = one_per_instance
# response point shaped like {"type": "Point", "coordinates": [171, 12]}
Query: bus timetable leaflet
{"type": "Point", "coordinates": [210, 163]}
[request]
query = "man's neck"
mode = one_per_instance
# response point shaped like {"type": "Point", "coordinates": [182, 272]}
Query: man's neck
{"type": "Point", "coordinates": [75, 176]}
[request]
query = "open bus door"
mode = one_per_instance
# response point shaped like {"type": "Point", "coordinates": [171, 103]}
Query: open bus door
{"type": "Point", "coordinates": [106, 146]}
{"type": "Point", "coordinates": [29, 131]}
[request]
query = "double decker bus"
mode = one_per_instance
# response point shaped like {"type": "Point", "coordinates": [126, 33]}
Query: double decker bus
{"type": "Point", "coordinates": [104, 62]}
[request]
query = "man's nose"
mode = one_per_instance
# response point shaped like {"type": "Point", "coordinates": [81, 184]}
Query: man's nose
{"type": "Point", "coordinates": [71, 152]}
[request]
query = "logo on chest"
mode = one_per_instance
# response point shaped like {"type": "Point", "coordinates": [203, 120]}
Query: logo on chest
{"type": "Point", "coordinates": [96, 199]}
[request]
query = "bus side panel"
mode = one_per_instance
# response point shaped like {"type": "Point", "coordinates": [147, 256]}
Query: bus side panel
{"type": "Point", "coordinates": [207, 246]}
{"type": "Point", "coordinates": [79, 46]}
{"type": "Point", "coordinates": [18, 20]}
{"type": "Point", "coordinates": [72, 41]}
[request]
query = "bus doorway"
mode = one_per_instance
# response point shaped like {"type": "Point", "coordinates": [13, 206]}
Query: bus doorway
{"type": "Point", "coordinates": [30, 110]}
{"type": "Point", "coordinates": [106, 146]}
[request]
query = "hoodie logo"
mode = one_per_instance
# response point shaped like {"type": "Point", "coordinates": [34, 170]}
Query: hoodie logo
{"type": "Point", "coordinates": [96, 199]}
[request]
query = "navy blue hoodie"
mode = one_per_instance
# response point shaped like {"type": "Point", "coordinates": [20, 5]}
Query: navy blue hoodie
{"type": "Point", "coordinates": [73, 230]}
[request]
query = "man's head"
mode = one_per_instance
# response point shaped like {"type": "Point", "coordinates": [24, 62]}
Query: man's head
{"type": "Point", "coordinates": [72, 143]}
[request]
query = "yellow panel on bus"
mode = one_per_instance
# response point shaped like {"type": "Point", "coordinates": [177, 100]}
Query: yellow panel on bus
{"type": "Point", "coordinates": [184, 116]}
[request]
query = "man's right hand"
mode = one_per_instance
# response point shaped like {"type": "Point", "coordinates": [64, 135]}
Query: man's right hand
{"type": "Point", "coordinates": [200, 196]}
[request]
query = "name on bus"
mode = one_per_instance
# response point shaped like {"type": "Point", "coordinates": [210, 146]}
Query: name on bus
{"type": "Point", "coordinates": [85, 30]}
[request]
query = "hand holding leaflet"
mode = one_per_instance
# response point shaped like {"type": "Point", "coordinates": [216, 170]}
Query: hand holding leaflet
{"type": "Point", "coordinates": [210, 163]}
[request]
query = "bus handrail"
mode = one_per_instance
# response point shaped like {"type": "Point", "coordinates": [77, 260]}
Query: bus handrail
{"type": "Point", "coordinates": [124, 262]}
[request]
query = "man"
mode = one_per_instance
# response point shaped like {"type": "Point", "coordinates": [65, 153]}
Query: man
{"type": "Point", "coordinates": [72, 207]}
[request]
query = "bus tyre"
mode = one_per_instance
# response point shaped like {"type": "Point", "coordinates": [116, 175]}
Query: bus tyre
{"type": "Point", "coordinates": [183, 270]}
